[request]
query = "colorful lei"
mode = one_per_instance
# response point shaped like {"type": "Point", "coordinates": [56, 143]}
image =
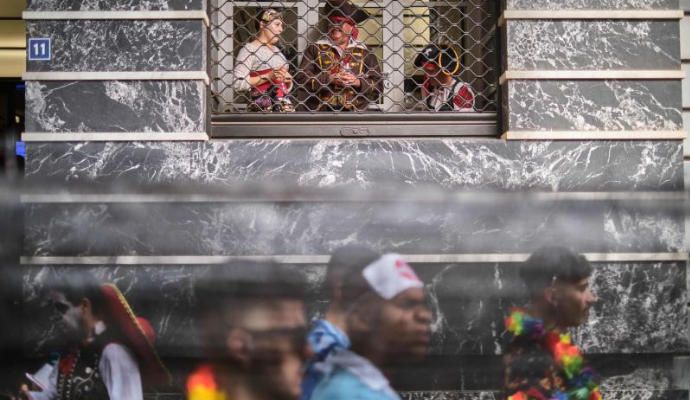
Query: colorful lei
{"type": "Point", "coordinates": [201, 385]}
{"type": "Point", "coordinates": [566, 355]}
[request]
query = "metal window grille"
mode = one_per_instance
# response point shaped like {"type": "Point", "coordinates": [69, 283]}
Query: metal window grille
{"type": "Point", "coordinates": [395, 33]}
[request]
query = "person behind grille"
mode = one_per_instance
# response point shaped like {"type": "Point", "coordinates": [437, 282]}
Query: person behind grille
{"type": "Point", "coordinates": [262, 69]}
{"type": "Point", "coordinates": [338, 72]}
{"type": "Point", "coordinates": [442, 90]}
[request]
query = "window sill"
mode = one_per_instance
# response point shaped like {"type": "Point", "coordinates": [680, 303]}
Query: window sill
{"type": "Point", "coordinates": [354, 125]}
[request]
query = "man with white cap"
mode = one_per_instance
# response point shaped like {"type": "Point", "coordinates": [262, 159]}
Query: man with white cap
{"type": "Point", "coordinates": [329, 334]}
{"type": "Point", "coordinates": [387, 323]}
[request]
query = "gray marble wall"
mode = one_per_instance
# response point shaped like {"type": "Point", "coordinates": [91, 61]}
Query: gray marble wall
{"type": "Point", "coordinates": [592, 45]}
{"type": "Point", "coordinates": [637, 313]}
{"type": "Point", "coordinates": [114, 5]}
{"type": "Point", "coordinates": [511, 225]}
{"type": "Point", "coordinates": [121, 45]}
{"type": "Point", "coordinates": [587, 105]}
{"type": "Point", "coordinates": [115, 106]}
{"type": "Point", "coordinates": [633, 333]}
{"type": "Point", "coordinates": [638, 309]}
{"type": "Point", "coordinates": [115, 45]}
{"type": "Point", "coordinates": [452, 164]}
{"type": "Point", "coordinates": [592, 4]}
{"type": "Point", "coordinates": [596, 45]}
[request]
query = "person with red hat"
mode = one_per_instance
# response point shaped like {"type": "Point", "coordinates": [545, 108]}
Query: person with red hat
{"type": "Point", "coordinates": [442, 89]}
{"type": "Point", "coordinates": [262, 69]}
{"type": "Point", "coordinates": [109, 351]}
{"type": "Point", "coordinates": [339, 72]}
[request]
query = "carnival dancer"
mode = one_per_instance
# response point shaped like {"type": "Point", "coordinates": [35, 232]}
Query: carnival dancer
{"type": "Point", "coordinates": [110, 351]}
{"type": "Point", "coordinates": [388, 323]}
{"type": "Point", "coordinates": [262, 69]}
{"type": "Point", "coordinates": [253, 331]}
{"type": "Point", "coordinates": [338, 72]}
{"type": "Point", "coordinates": [330, 333]}
{"type": "Point", "coordinates": [541, 362]}
{"type": "Point", "coordinates": [442, 89]}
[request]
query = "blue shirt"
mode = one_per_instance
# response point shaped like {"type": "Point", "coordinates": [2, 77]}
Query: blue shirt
{"type": "Point", "coordinates": [324, 338]}
{"type": "Point", "coordinates": [352, 377]}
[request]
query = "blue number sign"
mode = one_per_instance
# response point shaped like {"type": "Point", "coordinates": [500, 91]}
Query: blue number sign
{"type": "Point", "coordinates": [39, 49]}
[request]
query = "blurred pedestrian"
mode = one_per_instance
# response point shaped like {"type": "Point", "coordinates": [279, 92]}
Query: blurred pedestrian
{"type": "Point", "coordinates": [253, 332]}
{"type": "Point", "coordinates": [388, 323]}
{"type": "Point", "coordinates": [109, 352]}
{"type": "Point", "coordinates": [541, 362]}
{"type": "Point", "coordinates": [329, 333]}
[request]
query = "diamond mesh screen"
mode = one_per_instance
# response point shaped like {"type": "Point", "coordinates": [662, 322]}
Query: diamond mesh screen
{"type": "Point", "coordinates": [388, 56]}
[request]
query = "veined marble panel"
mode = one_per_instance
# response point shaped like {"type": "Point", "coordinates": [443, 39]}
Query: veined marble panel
{"type": "Point", "coordinates": [121, 45]}
{"type": "Point", "coordinates": [115, 106]}
{"type": "Point", "coordinates": [114, 5]}
{"type": "Point", "coordinates": [660, 294]}
{"type": "Point", "coordinates": [469, 301]}
{"type": "Point", "coordinates": [601, 165]}
{"type": "Point", "coordinates": [640, 309]}
{"type": "Point", "coordinates": [163, 294]}
{"type": "Point", "coordinates": [488, 395]}
{"type": "Point", "coordinates": [506, 225]}
{"type": "Point", "coordinates": [451, 164]}
{"type": "Point", "coordinates": [592, 4]}
{"type": "Point", "coordinates": [613, 105]}
{"type": "Point", "coordinates": [592, 45]}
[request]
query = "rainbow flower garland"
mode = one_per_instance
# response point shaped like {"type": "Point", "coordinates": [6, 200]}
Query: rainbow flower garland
{"type": "Point", "coordinates": [565, 354]}
{"type": "Point", "coordinates": [201, 385]}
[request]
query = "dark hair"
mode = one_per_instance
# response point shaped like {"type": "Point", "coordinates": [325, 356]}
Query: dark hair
{"type": "Point", "coordinates": [264, 16]}
{"type": "Point", "coordinates": [76, 284]}
{"type": "Point", "coordinates": [550, 264]}
{"type": "Point", "coordinates": [225, 293]}
{"type": "Point", "coordinates": [246, 280]}
{"type": "Point", "coordinates": [345, 268]}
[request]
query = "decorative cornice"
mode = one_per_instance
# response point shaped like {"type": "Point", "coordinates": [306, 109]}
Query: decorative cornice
{"type": "Point", "coordinates": [117, 76]}
{"type": "Point", "coordinates": [323, 259]}
{"type": "Point", "coordinates": [112, 136]}
{"type": "Point", "coordinates": [595, 135]}
{"type": "Point", "coordinates": [589, 14]}
{"type": "Point", "coordinates": [117, 15]}
{"type": "Point", "coordinates": [591, 75]}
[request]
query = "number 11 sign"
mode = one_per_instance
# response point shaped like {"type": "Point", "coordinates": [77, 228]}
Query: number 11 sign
{"type": "Point", "coordinates": [39, 49]}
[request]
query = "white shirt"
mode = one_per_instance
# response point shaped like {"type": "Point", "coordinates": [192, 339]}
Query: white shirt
{"type": "Point", "coordinates": [256, 57]}
{"type": "Point", "coordinates": [455, 93]}
{"type": "Point", "coordinates": [119, 371]}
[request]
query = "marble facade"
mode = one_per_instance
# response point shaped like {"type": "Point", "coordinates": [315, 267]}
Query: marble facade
{"type": "Point", "coordinates": [633, 334]}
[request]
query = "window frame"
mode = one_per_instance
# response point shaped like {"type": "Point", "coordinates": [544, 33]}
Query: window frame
{"type": "Point", "coordinates": [354, 124]}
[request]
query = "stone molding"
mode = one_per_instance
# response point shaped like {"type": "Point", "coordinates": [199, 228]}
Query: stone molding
{"type": "Point", "coordinates": [117, 15]}
{"type": "Point", "coordinates": [112, 136]}
{"type": "Point", "coordinates": [323, 259]}
{"type": "Point", "coordinates": [595, 135]}
{"type": "Point", "coordinates": [118, 76]}
{"type": "Point", "coordinates": [589, 14]}
{"type": "Point", "coordinates": [590, 75]}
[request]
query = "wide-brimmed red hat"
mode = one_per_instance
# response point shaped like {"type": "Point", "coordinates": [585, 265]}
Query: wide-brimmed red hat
{"type": "Point", "coordinates": [138, 334]}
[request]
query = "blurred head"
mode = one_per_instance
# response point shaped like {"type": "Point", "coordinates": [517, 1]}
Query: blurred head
{"type": "Point", "coordinates": [271, 25]}
{"type": "Point", "coordinates": [346, 261]}
{"type": "Point", "coordinates": [253, 326]}
{"type": "Point", "coordinates": [78, 301]}
{"type": "Point", "coordinates": [559, 280]}
{"type": "Point", "coordinates": [388, 317]}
